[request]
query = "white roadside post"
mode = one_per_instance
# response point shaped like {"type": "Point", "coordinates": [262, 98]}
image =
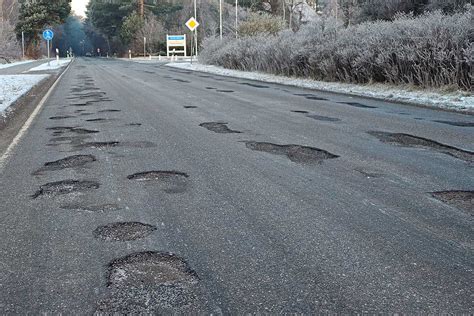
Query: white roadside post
{"type": "Point", "coordinates": [129, 54]}
{"type": "Point", "coordinates": [144, 47]}
{"type": "Point", "coordinates": [57, 56]}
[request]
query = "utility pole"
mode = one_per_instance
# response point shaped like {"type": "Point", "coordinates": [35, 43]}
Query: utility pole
{"type": "Point", "coordinates": [236, 18]}
{"type": "Point", "coordinates": [141, 4]}
{"type": "Point", "coordinates": [195, 31]}
{"type": "Point", "coordinates": [220, 18]}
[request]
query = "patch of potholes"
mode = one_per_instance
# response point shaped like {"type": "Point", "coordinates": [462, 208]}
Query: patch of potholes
{"type": "Point", "coordinates": [296, 153]}
{"type": "Point", "coordinates": [407, 140]}
{"type": "Point", "coordinates": [70, 129]}
{"type": "Point", "coordinates": [151, 282]}
{"type": "Point", "coordinates": [169, 181]}
{"type": "Point", "coordinates": [463, 200]}
{"type": "Point", "coordinates": [74, 161]}
{"type": "Point", "coordinates": [459, 124]}
{"type": "Point", "coordinates": [358, 105]}
{"type": "Point", "coordinates": [123, 231]}
{"type": "Point", "coordinates": [100, 208]}
{"type": "Point", "coordinates": [219, 127]}
{"type": "Point", "coordinates": [63, 187]}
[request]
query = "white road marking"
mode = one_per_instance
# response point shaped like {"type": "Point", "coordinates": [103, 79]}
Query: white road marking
{"type": "Point", "coordinates": [6, 155]}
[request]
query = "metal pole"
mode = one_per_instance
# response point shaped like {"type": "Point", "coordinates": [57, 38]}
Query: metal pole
{"type": "Point", "coordinates": [236, 17]}
{"type": "Point", "coordinates": [48, 52]}
{"type": "Point", "coordinates": [220, 18]}
{"type": "Point", "coordinates": [195, 31]}
{"type": "Point", "coordinates": [23, 44]}
{"type": "Point", "coordinates": [144, 47]}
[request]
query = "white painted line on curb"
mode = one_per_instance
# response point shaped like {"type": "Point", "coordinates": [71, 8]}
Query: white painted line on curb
{"type": "Point", "coordinates": [24, 128]}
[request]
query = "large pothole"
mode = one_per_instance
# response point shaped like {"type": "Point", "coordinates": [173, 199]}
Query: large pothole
{"type": "Point", "coordinates": [68, 162]}
{"type": "Point", "coordinates": [170, 181]}
{"type": "Point", "coordinates": [218, 127]}
{"type": "Point", "coordinates": [65, 187]}
{"type": "Point", "coordinates": [296, 153]}
{"type": "Point", "coordinates": [123, 231]}
{"type": "Point", "coordinates": [460, 199]}
{"type": "Point", "coordinates": [407, 140]}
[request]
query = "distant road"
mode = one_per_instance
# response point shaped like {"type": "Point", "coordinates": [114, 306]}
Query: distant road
{"type": "Point", "coordinates": [141, 188]}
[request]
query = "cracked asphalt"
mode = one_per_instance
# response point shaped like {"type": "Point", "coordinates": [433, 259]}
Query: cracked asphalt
{"type": "Point", "coordinates": [117, 200]}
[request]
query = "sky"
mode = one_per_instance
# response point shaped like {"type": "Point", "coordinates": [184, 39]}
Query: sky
{"type": "Point", "coordinates": [79, 6]}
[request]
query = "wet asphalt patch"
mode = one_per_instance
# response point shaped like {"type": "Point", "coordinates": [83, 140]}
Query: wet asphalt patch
{"type": "Point", "coordinates": [150, 283]}
{"type": "Point", "coordinates": [169, 181]}
{"type": "Point", "coordinates": [407, 140]}
{"type": "Point", "coordinates": [99, 208]}
{"type": "Point", "coordinates": [218, 127]}
{"type": "Point", "coordinates": [460, 124]}
{"type": "Point", "coordinates": [52, 189]}
{"type": "Point", "coordinates": [358, 105]}
{"type": "Point", "coordinates": [123, 231]}
{"type": "Point", "coordinates": [463, 200]}
{"type": "Point", "coordinates": [254, 85]}
{"type": "Point", "coordinates": [74, 161]}
{"type": "Point", "coordinates": [296, 153]}
{"type": "Point", "coordinates": [323, 118]}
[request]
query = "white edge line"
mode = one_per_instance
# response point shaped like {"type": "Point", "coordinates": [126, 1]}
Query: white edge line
{"type": "Point", "coordinates": [24, 128]}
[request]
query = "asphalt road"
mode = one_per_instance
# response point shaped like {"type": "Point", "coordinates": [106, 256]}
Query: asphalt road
{"type": "Point", "coordinates": [275, 212]}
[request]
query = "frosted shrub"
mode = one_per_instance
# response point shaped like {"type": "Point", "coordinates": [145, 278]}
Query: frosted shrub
{"type": "Point", "coordinates": [431, 50]}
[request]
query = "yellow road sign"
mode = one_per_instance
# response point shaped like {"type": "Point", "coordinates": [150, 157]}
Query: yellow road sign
{"type": "Point", "coordinates": [192, 24]}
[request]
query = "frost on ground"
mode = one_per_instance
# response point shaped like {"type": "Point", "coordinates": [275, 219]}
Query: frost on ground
{"type": "Point", "coordinates": [3, 66]}
{"type": "Point", "coordinates": [461, 101]}
{"type": "Point", "coordinates": [13, 87]}
{"type": "Point", "coordinates": [53, 64]}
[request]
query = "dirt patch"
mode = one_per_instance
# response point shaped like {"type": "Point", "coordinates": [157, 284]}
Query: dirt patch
{"type": "Point", "coordinates": [296, 153]}
{"type": "Point", "coordinates": [407, 140]}
{"type": "Point", "coordinates": [75, 161]}
{"type": "Point", "coordinates": [463, 200]}
{"type": "Point", "coordinates": [151, 283]}
{"type": "Point", "coordinates": [65, 187]}
{"type": "Point", "coordinates": [218, 127]}
{"type": "Point", "coordinates": [123, 231]}
{"type": "Point", "coordinates": [460, 124]}
{"type": "Point", "coordinates": [358, 105]}
{"type": "Point", "coordinates": [170, 181]}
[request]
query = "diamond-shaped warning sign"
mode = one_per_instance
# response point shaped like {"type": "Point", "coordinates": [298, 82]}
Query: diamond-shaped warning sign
{"type": "Point", "coordinates": [192, 24]}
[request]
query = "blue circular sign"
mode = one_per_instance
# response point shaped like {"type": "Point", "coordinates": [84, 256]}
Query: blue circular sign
{"type": "Point", "coordinates": [48, 34]}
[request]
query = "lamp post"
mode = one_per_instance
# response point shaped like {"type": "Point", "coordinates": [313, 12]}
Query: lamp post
{"type": "Point", "coordinates": [220, 18]}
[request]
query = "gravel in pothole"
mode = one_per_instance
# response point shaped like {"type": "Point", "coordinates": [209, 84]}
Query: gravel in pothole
{"type": "Point", "coordinates": [123, 231]}
{"type": "Point", "coordinates": [407, 140]}
{"type": "Point", "coordinates": [74, 161]}
{"type": "Point", "coordinates": [52, 189]}
{"type": "Point", "coordinates": [296, 153]}
{"type": "Point", "coordinates": [151, 283]}
{"type": "Point", "coordinates": [463, 200]}
{"type": "Point", "coordinates": [218, 127]}
{"type": "Point", "coordinates": [169, 181]}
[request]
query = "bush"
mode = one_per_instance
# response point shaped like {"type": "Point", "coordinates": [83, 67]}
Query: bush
{"type": "Point", "coordinates": [431, 50]}
{"type": "Point", "coordinates": [261, 23]}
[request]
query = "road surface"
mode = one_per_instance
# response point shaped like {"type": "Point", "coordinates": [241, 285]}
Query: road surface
{"type": "Point", "coordinates": [142, 188]}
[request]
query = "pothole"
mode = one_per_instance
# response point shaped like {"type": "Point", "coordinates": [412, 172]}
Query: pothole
{"type": "Point", "coordinates": [225, 91]}
{"type": "Point", "coordinates": [254, 85]}
{"type": "Point", "coordinates": [316, 98]}
{"type": "Point", "coordinates": [323, 118]}
{"type": "Point", "coordinates": [65, 187]}
{"type": "Point", "coordinates": [60, 128]}
{"type": "Point", "coordinates": [98, 120]}
{"type": "Point", "coordinates": [134, 124]}
{"type": "Point", "coordinates": [359, 105]}
{"type": "Point", "coordinates": [60, 117]}
{"type": "Point", "coordinates": [98, 144]}
{"type": "Point", "coordinates": [170, 181]}
{"type": "Point", "coordinates": [460, 124]}
{"type": "Point", "coordinates": [190, 106]}
{"type": "Point", "coordinates": [460, 199]}
{"type": "Point", "coordinates": [68, 162]}
{"type": "Point", "coordinates": [123, 231]}
{"type": "Point", "coordinates": [109, 111]}
{"type": "Point", "coordinates": [211, 88]}
{"type": "Point", "coordinates": [151, 282]}
{"type": "Point", "coordinates": [83, 131]}
{"type": "Point", "coordinates": [86, 114]}
{"type": "Point", "coordinates": [99, 208]}
{"type": "Point", "coordinates": [218, 127]}
{"type": "Point", "coordinates": [296, 153]}
{"type": "Point", "coordinates": [407, 140]}
{"type": "Point", "coordinates": [181, 80]}
{"type": "Point", "coordinates": [300, 111]}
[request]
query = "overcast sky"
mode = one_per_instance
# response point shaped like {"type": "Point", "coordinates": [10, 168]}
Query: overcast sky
{"type": "Point", "coordinates": [79, 6]}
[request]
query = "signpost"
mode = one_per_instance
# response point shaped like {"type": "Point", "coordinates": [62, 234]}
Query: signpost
{"type": "Point", "coordinates": [192, 25]}
{"type": "Point", "coordinates": [173, 41]}
{"type": "Point", "coordinates": [48, 36]}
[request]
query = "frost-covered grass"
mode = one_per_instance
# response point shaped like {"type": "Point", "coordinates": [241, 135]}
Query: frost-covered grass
{"type": "Point", "coordinates": [13, 87]}
{"type": "Point", "coordinates": [53, 64]}
{"type": "Point", "coordinates": [431, 50]}
{"type": "Point", "coordinates": [3, 66]}
{"type": "Point", "coordinates": [460, 101]}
